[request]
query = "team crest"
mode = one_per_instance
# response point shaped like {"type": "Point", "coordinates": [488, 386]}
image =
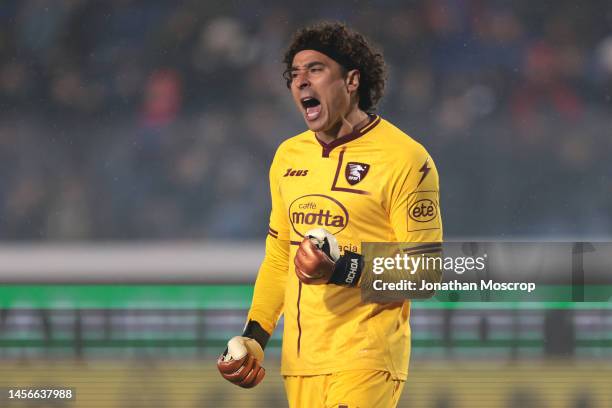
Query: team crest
{"type": "Point", "coordinates": [355, 172]}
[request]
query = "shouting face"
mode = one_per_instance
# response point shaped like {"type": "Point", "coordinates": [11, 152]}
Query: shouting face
{"type": "Point", "coordinates": [322, 90]}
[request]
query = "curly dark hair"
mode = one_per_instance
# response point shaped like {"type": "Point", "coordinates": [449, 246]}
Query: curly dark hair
{"type": "Point", "coordinates": [351, 50]}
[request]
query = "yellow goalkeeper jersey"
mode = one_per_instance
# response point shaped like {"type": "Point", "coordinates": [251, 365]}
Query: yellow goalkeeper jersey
{"type": "Point", "coordinates": [374, 185]}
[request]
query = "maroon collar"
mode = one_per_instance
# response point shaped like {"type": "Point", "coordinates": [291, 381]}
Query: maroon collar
{"type": "Point", "coordinates": [356, 133]}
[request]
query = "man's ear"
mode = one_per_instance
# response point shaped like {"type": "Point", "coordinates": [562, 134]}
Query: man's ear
{"type": "Point", "coordinates": [352, 80]}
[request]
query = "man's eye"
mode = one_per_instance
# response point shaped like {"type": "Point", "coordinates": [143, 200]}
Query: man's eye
{"type": "Point", "coordinates": [317, 69]}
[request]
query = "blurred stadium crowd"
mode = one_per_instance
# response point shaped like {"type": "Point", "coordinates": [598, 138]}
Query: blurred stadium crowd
{"type": "Point", "coordinates": [134, 119]}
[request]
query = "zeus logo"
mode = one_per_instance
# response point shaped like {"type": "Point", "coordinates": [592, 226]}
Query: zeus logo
{"type": "Point", "coordinates": [352, 271]}
{"type": "Point", "coordinates": [292, 172]}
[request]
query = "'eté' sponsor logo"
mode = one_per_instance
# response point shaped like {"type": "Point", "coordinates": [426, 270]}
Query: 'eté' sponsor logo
{"type": "Point", "coordinates": [423, 210]}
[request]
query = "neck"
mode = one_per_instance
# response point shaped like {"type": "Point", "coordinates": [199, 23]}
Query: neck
{"type": "Point", "coordinates": [348, 123]}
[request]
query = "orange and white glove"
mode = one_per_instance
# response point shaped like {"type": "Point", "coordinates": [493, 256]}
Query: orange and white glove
{"type": "Point", "coordinates": [318, 261]}
{"type": "Point", "coordinates": [241, 362]}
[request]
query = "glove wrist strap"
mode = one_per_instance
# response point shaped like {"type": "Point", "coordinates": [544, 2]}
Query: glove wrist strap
{"type": "Point", "coordinates": [253, 330]}
{"type": "Point", "coordinates": [347, 271]}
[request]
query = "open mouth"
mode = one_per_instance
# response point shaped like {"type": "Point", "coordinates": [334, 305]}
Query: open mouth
{"type": "Point", "coordinates": [312, 107]}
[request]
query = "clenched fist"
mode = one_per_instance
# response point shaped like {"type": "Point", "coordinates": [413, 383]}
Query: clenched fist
{"type": "Point", "coordinates": [312, 265]}
{"type": "Point", "coordinates": [318, 261]}
{"type": "Point", "coordinates": [241, 362]}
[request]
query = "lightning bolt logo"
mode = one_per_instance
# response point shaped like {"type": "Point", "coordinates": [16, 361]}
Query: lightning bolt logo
{"type": "Point", "coordinates": [425, 169]}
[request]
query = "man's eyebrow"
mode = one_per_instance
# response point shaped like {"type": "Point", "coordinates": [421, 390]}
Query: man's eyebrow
{"type": "Point", "coordinates": [309, 65]}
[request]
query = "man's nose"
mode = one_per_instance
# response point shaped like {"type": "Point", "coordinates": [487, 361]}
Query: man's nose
{"type": "Point", "coordinates": [303, 81]}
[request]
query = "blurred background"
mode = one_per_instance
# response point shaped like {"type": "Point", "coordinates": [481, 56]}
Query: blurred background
{"type": "Point", "coordinates": [130, 123]}
{"type": "Point", "coordinates": [119, 118]}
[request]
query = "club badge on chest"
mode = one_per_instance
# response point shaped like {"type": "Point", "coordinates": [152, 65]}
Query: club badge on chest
{"type": "Point", "coordinates": [355, 172]}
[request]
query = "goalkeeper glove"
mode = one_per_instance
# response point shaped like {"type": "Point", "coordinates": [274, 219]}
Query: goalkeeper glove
{"type": "Point", "coordinates": [318, 261]}
{"type": "Point", "coordinates": [241, 362]}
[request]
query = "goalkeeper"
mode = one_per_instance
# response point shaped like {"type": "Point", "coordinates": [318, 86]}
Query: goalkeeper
{"type": "Point", "coordinates": [361, 179]}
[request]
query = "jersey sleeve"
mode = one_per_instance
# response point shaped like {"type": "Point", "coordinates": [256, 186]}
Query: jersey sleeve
{"type": "Point", "coordinates": [269, 293]}
{"type": "Point", "coordinates": [415, 200]}
{"type": "Point", "coordinates": [416, 219]}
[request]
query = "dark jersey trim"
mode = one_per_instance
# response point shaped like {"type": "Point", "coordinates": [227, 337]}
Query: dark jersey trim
{"type": "Point", "coordinates": [425, 251]}
{"type": "Point", "coordinates": [355, 134]}
{"type": "Point", "coordinates": [272, 233]}
{"type": "Point", "coordinates": [422, 248]}
{"type": "Point", "coordinates": [299, 325]}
